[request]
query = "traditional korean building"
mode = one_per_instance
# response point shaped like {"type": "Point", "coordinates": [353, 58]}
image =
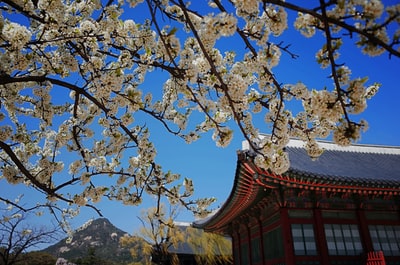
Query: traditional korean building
{"type": "Point", "coordinates": [342, 208]}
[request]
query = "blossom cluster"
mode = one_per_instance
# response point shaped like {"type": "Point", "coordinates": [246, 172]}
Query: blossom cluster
{"type": "Point", "coordinates": [73, 81]}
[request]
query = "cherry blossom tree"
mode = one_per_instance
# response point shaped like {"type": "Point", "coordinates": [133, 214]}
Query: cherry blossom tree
{"type": "Point", "coordinates": [75, 100]}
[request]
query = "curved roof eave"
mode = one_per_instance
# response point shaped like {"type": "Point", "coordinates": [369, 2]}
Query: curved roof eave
{"type": "Point", "coordinates": [362, 169]}
{"type": "Point", "coordinates": [243, 194]}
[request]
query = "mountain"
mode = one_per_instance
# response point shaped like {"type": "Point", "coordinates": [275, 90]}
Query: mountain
{"type": "Point", "coordinates": [98, 242]}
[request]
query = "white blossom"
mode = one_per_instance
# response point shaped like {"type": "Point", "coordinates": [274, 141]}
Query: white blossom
{"type": "Point", "coordinates": [82, 87]}
{"type": "Point", "coordinates": [17, 35]}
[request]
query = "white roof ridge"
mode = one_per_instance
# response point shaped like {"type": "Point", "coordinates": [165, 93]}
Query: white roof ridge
{"type": "Point", "coordinates": [327, 145]}
{"type": "Point", "coordinates": [182, 223]}
{"type": "Point", "coordinates": [359, 148]}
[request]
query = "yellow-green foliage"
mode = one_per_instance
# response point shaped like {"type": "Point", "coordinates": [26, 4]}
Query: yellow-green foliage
{"type": "Point", "coordinates": [210, 248]}
{"type": "Point", "coordinates": [159, 235]}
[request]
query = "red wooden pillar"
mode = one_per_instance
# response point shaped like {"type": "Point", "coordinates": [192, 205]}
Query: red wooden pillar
{"type": "Point", "coordinates": [233, 250]}
{"type": "Point", "coordinates": [250, 256]}
{"type": "Point", "coordinates": [235, 243]}
{"type": "Point", "coordinates": [260, 232]}
{"type": "Point", "coordinates": [320, 237]}
{"type": "Point", "coordinates": [287, 237]}
{"type": "Point", "coordinates": [237, 250]}
{"type": "Point", "coordinates": [364, 231]}
{"type": "Point", "coordinates": [240, 247]}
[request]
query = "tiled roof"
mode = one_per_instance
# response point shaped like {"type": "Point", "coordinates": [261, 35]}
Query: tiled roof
{"type": "Point", "coordinates": [346, 165]}
{"type": "Point", "coordinates": [355, 169]}
{"type": "Point", "coordinates": [351, 163]}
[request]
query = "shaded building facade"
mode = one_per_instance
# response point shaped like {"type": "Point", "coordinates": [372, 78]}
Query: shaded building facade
{"type": "Point", "coordinates": [342, 208]}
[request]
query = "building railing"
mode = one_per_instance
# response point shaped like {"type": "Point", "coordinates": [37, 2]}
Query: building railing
{"type": "Point", "coordinates": [375, 258]}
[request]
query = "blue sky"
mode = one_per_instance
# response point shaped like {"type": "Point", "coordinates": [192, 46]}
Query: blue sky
{"type": "Point", "coordinates": [212, 169]}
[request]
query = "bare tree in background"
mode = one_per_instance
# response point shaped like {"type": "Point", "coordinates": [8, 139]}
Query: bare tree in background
{"type": "Point", "coordinates": [18, 236]}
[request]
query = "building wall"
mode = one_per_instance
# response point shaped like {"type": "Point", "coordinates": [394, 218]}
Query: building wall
{"type": "Point", "coordinates": [309, 235]}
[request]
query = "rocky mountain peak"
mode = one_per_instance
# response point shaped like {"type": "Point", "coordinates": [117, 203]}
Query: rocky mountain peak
{"type": "Point", "coordinates": [99, 238]}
